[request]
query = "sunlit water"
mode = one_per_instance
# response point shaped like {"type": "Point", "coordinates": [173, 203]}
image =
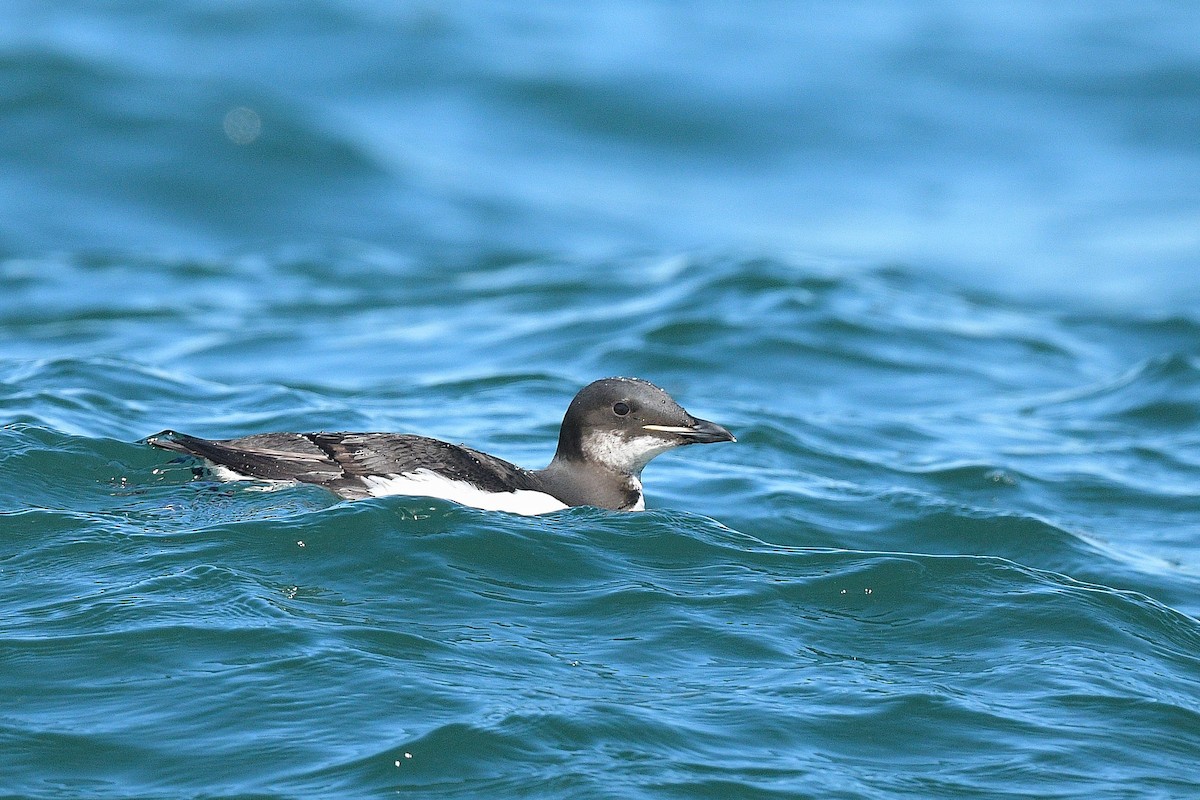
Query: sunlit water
{"type": "Point", "coordinates": [935, 267]}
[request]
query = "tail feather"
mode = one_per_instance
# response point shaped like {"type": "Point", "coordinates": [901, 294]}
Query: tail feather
{"type": "Point", "coordinates": [169, 440]}
{"type": "Point", "coordinates": [245, 458]}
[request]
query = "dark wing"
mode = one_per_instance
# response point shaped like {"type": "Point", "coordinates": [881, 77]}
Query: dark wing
{"type": "Point", "coordinates": [402, 453]}
{"type": "Point", "coordinates": [272, 456]}
{"type": "Point", "coordinates": [339, 460]}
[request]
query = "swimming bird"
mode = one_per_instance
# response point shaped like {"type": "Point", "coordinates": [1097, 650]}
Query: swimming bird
{"type": "Point", "coordinates": [611, 430]}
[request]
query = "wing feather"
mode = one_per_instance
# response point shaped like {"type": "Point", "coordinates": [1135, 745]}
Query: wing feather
{"type": "Point", "coordinates": [341, 461]}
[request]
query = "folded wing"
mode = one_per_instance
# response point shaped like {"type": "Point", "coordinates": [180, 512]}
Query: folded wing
{"type": "Point", "coordinates": [341, 461]}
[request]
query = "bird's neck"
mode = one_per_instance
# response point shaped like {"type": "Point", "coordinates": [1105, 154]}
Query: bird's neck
{"type": "Point", "coordinates": [579, 484]}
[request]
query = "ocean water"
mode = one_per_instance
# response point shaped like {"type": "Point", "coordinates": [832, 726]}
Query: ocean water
{"type": "Point", "coordinates": [936, 265]}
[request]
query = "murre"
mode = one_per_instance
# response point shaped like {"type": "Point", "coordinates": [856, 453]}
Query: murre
{"type": "Point", "coordinates": [610, 432]}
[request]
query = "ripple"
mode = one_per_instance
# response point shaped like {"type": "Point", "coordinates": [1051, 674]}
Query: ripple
{"type": "Point", "coordinates": [947, 512]}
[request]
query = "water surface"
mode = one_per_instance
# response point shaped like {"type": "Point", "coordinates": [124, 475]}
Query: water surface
{"type": "Point", "coordinates": [935, 267]}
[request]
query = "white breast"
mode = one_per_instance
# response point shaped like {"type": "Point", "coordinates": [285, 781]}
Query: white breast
{"type": "Point", "coordinates": [424, 483]}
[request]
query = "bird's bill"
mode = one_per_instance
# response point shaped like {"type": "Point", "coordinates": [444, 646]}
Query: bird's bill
{"type": "Point", "coordinates": [701, 432]}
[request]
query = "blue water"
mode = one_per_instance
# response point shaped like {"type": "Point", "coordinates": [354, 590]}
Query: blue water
{"type": "Point", "coordinates": [936, 265]}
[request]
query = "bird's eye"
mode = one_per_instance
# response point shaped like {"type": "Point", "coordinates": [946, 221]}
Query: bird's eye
{"type": "Point", "coordinates": [620, 409]}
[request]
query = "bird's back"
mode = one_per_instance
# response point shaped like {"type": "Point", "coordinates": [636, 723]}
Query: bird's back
{"type": "Point", "coordinates": [348, 463]}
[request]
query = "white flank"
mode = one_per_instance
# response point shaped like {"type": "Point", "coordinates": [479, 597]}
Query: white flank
{"type": "Point", "coordinates": [424, 483]}
{"type": "Point", "coordinates": [227, 475]}
{"type": "Point", "coordinates": [222, 473]}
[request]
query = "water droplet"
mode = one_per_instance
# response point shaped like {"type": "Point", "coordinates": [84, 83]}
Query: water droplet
{"type": "Point", "coordinates": [242, 125]}
{"type": "Point", "coordinates": [1001, 477]}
